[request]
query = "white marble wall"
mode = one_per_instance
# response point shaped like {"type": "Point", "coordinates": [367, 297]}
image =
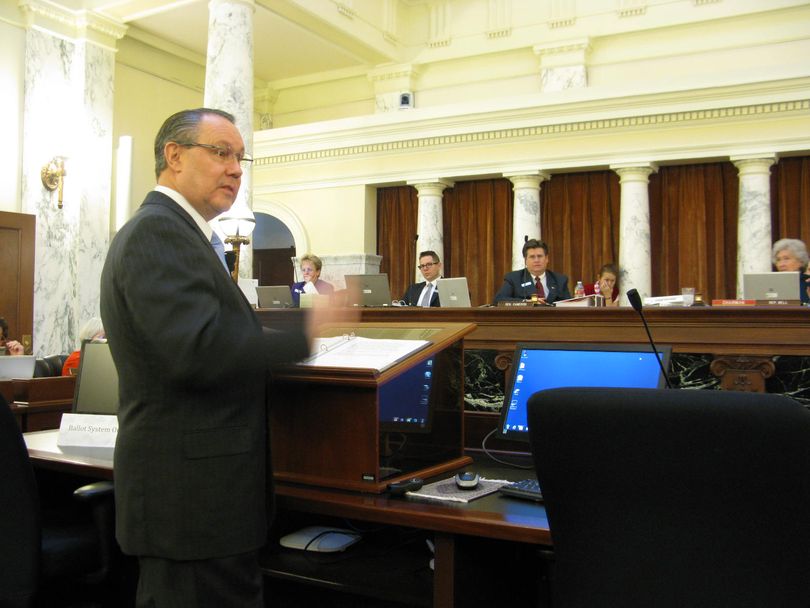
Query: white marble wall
{"type": "Point", "coordinates": [67, 112]}
{"type": "Point", "coordinates": [526, 219]}
{"type": "Point", "coordinates": [229, 87]}
{"type": "Point", "coordinates": [634, 230]}
{"type": "Point", "coordinates": [429, 223]}
{"type": "Point", "coordinates": [336, 267]}
{"type": "Point", "coordinates": [754, 216]}
{"type": "Point", "coordinates": [563, 77]}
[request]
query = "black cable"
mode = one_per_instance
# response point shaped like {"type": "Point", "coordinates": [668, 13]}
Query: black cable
{"type": "Point", "coordinates": [498, 460]}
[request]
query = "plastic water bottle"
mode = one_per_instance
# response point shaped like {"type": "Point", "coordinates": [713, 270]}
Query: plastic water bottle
{"type": "Point", "coordinates": [598, 300]}
{"type": "Point", "coordinates": [579, 290]}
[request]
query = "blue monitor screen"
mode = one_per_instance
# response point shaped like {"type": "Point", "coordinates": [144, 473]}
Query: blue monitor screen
{"type": "Point", "coordinates": [405, 401]}
{"type": "Point", "coordinates": [536, 367]}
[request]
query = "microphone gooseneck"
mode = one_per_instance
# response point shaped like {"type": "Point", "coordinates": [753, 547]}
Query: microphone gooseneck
{"type": "Point", "coordinates": [635, 302]}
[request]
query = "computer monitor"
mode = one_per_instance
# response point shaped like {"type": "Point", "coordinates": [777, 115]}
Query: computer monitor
{"type": "Point", "coordinates": [96, 382]}
{"type": "Point", "coordinates": [772, 286]}
{"type": "Point", "coordinates": [274, 296]}
{"type": "Point", "coordinates": [454, 293]}
{"type": "Point", "coordinates": [368, 289]}
{"type": "Point", "coordinates": [536, 367]}
{"type": "Point", "coordinates": [17, 366]}
{"type": "Point", "coordinates": [405, 401]}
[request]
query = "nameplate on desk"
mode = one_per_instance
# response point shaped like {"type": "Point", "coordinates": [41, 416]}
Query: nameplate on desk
{"type": "Point", "coordinates": [87, 431]}
{"type": "Point", "coordinates": [779, 302]}
{"type": "Point", "coordinates": [516, 304]}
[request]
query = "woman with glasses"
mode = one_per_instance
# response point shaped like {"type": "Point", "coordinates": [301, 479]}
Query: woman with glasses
{"type": "Point", "coordinates": [311, 271]}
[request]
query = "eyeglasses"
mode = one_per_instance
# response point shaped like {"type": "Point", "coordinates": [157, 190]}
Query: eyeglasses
{"type": "Point", "coordinates": [426, 265]}
{"type": "Point", "coordinates": [226, 155]}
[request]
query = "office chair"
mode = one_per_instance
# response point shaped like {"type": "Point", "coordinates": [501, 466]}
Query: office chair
{"type": "Point", "coordinates": [49, 366]}
{"type": "Point", "coordinates": [674, 498]}
{"type": "Point", "coordinates": [41, 556]}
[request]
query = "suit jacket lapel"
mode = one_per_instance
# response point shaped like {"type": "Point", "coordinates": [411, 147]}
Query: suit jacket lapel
{"type": "Point", "coordinates": [160, 199]}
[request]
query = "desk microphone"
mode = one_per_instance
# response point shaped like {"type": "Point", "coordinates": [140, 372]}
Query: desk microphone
{"type": "Point", "coordinates": [635, 302]}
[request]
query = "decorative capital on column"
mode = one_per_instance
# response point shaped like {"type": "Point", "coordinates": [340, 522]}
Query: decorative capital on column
{"type": "Point", "coordinates": [754, 164]}
{"type": "Point", "coordinates": [563, 53]}
{"type": "Point", "coordinates": [634, 172]}
{"type": "Point", "coordinates": [525, 179]}
{"type": "Point", "coordinates": [249, 3]}
{"type": "Point", "coordinates": [431, 187]}
{"type": "Point", "coordinates": [76, 25]}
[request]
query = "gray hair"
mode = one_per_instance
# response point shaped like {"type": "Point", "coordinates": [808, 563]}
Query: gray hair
{"type": "Point", "coordinates": [795, 246]}
{"type": "Point", "coordinates": [91, 327]}
{"type": "Point", "coordinates": [182, 128]}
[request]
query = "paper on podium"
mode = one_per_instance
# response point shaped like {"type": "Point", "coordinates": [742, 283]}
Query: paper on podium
{"type": "Point", "coordinates": [361, 353]}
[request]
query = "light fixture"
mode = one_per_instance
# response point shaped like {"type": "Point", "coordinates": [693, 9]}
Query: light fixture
{"type": "Point", "coordinates": [237, 226]}
{"type": "Point", "coordinates": [53, 176]}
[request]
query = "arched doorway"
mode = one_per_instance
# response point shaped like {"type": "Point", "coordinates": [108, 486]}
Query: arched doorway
{"type": "Point", "coordinates": [273, 248]}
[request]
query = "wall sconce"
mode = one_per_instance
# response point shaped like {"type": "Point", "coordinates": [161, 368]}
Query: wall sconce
{"type": "Point", "coordinates": [237, 231]}
{"type": "Point", "coordinates": [53, 176]}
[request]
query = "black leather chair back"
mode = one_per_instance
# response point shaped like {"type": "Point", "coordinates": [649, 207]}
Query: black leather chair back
{"type": "Point", "coordinates": [19, 517]}
{"type": "Point", "coordinates": [674, 498]}
{"type": "Point", "coordinates": [46, 367]}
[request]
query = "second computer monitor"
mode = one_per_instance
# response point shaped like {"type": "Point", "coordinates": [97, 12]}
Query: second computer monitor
{"type": "Point", "coordinates": [368, 289]}
{"type": "Point", "coordinates": [536, 367]}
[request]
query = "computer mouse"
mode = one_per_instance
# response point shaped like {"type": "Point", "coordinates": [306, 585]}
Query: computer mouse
{"type": "Point", "coordinates": [467, 480]}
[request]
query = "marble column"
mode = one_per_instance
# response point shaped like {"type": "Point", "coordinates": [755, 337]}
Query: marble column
{"type": "Point", "coordinates": [68, 112]}
{"type": "Point", "coordinates": [429, 223]}
{"type": "Point", "coordinates": [525, 211]}
{"type": "Point", "coordinates": [634, 229]}
{"type": "Point", "coordinates": [229, 87]}
{"type": "Point", "coordinates": [753, 216]}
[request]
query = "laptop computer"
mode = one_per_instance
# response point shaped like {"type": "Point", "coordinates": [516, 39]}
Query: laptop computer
{"type": "Point", "coordinates": [274, 296]}
{"type": "Point", "coordinates": [771, 286]}
{"type": "Point", "coordinates": [96, 382]}
{"type": "Point", "coordinates": [368, 289]}
{"type": "Point", "coordinates": [19, 366]}
{"type": "Point", "coordinates": [454, 293]}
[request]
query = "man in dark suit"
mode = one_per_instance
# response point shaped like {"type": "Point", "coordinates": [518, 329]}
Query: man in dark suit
{"type": "Point", "coordinates": [192, 360]}
{"type": "Point", "coordinates": [425, 293]}
{"type": "Point", "coordinates": [534, 281]}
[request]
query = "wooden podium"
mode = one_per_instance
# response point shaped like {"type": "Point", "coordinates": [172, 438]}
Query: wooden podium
{"type": "Point", "coordinates": [326, 427]}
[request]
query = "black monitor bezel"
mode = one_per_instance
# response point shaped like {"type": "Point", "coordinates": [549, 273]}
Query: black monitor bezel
{"type": "Point", "coordinates": [664, 352]}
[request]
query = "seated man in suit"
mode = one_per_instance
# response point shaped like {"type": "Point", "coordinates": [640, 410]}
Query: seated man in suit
{"type": "Point", "coordinates": [534, 280]}
{"type": "Point", "coordinates": [425, 293]}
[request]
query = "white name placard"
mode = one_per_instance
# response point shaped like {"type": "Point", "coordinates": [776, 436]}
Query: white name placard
{"type": "Point", "coordinates": [87, 431]}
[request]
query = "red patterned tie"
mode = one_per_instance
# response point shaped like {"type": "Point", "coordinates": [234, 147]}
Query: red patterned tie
{"type": "Point", "coordinates": [541, 293]}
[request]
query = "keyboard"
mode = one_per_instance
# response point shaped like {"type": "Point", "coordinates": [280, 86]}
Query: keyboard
{"type": "Point", "coordinates": [525, 488]}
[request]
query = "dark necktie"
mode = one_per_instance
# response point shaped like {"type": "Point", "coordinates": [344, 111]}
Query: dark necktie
{"type": "Point", "coordinates": [219, 248]}
{"type": "Point", "coordinates": [541, 293]}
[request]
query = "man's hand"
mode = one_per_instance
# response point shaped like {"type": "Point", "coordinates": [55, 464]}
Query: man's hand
{"type": "Point", "coordinates": [320, 315]}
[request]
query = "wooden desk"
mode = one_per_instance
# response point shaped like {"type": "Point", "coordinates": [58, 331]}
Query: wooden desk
{"type": "Point", "coordinates": [456, 528]}
{"type": "Point", "coordinates": [88, 462]}
{"type": "Point", "coordinates": [38, 403]}
{"type": "Point", "coordinates": [754, 330]}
